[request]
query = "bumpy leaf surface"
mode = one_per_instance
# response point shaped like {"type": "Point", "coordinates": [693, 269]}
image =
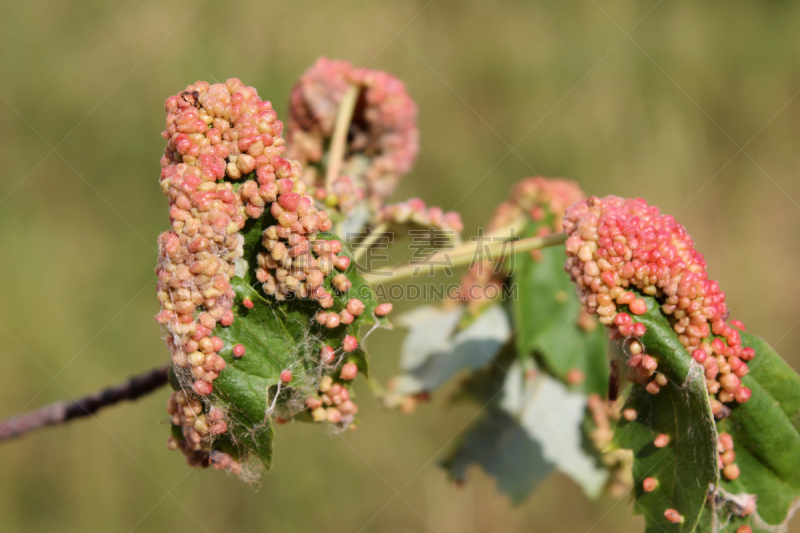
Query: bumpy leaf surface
{"type": "Point", "coordinates": [767, 446]}
{"type": "Point", "coordinates": [687, 465]}
{"type": "Point", "coordinates": [278, 336]}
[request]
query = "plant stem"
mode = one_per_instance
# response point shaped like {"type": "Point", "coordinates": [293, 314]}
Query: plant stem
{"type": "Point", "coordinates": [504, 233]}
{"type": "Point", "coordinates": [367, 243]}
{"type": "Point", "coordinates": [465, 255]}
{"type": "Point", "coordinates": [344, 116]}
{"type": "Point", "coordinates": [501, 234]}
{"type": "Point", "coordinates": [375, 387]}
{"type": "Point", "coordinates": [61, 412]}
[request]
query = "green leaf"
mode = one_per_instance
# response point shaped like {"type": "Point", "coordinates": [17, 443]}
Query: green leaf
{"type": "Point", "coordinates": [505, 451]}
{"type": "Point", "coordinates": [775, 376]}
{"type": "Point", "coordinates": [545, 316]}
{"type": "Point", "coordinates": [278, 336]}
{"type": "Point", "coordinates": [496, 441]}
{"type": "Point", "coordinates": [531, 421]}
{"type": "Point", "coordinates": [766, 442]}
{"type": "Point", "coordinates": [687, 466]}
{"type": "Point", "coordinates": [549, 416]}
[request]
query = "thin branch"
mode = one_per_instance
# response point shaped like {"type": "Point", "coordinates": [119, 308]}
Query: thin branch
{"type": "Point", "coordinates": [465, 255]}
{"type": "Point", "coordinates": [340, 129]}
{"type": "Point", "coordinates": [501, 234]}
{"type": "Point", "coordinates": [61, 412]}
{"type": "Point", "coordinates": [367, 243]}
{"type": "Point", "coordinates": [375, 386]}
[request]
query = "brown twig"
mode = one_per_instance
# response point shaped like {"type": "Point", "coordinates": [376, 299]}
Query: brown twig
{"type": "Point", "coordinates": [61, 412]}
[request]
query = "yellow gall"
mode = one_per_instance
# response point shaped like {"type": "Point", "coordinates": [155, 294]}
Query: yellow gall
{"type": "Point", "coordinates": [731, 472]}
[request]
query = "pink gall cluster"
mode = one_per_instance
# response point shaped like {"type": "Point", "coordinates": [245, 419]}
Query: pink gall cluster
{"type": "Point", "coordinates": [620, 249]}
{"type": "Point", "coordinates": [346, 193]}
{"type": "Point", "coordinates": [727, 457]}
{"type": "Point", "coordinates": [205, 125]}
{"type": "Point", "coordinates": [333, 403]}
{"type": "Point", "coordinates": [198, 430]}
{"type": "Point", "coordinates": [383, 130]}
{"type": "Point", "coordinates": [414, 211]}
{"type": "Point", "coordinates": [346, 316]}
{"type": "Point", "coordinates": [533, 199]}
{"type": "Point", "coordinates": [297, 264]}
{"type": "Point", "coordinates": [222, 165]}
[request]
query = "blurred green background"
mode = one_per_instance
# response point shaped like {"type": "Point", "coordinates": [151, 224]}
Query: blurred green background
{"type": "Point", "coordinates": [690, 104]}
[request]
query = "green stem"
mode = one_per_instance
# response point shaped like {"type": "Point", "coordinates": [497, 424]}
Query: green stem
{"type": "Point", "coordinates": [504, 233]}
{"type": "Point", "coordinates": [501, 234]}
{"type": "Point", "coordinates": [375, 386]}
{"type": "Point", "coordinates": [339, 141]}
{"type": "Point", "coordinates": [367, 243]}
{"type": "Point", "coordinates": [464, 255]}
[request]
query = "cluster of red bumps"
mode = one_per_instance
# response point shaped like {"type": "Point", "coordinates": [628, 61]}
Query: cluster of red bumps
{"type": "Point", "coordinates": [620, 249]}
{"type": "Point", "coordinates": [415, 211]}
{"type": "Point", "coordinates": [218, 136]}
{"type": "Point", "coordinates": [383, 131]}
